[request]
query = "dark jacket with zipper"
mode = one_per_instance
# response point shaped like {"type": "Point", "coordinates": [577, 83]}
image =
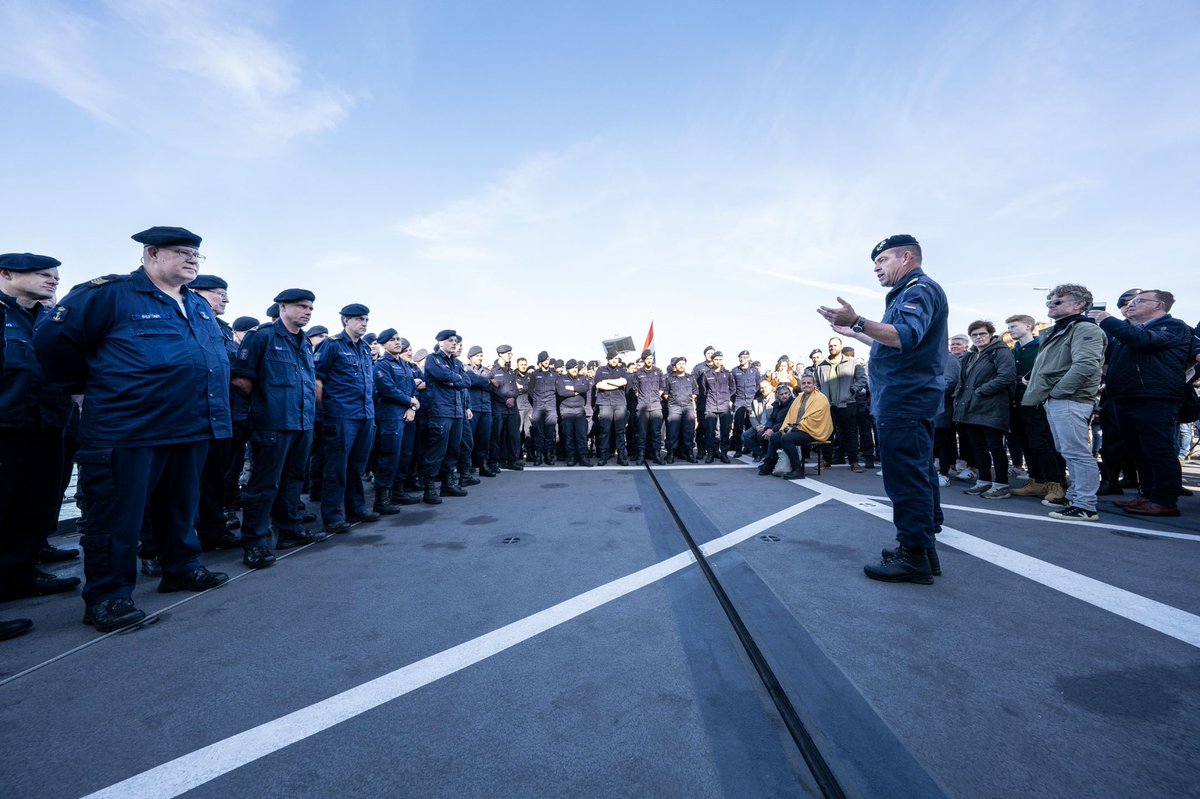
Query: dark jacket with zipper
{"type": "Point", "coordinates": [985, 390]}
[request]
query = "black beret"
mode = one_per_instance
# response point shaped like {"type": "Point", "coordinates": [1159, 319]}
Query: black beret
{"type": "Point", "coordinates": [816, 352]}
{"type": "Point", "coordinates": [387, 335]}
{"type": "Point", "coordinates": [370, 338]}
{"type": "Point", "coordinates": [317, 330]}
{"type": "Point", "coordinates": [743, 352]}
{"type": "Point", "coordinates": [295, 295]}
{"type": "Point", "coordinates": [592, 364]}
{"type": "Point", "coordinates": [899, 240]}
{"type": "Point", "coordinates": [718, 354]}
{"type": "Point", "coordinates": [476, 350]}
{"type": "Point", "coordinates": [710, 348]}
{"type": "Point", "coordinates": [646, 354]}
{"type": "Point", "coordinates": [445, 334]}
{"type": "Point", "coordinates": [160, 236]}
{"type": "Point", "coordinates": [614, 356]}
{"type": "Point", "coordinates": [244, 323]}
{"type": "Point", "coordinates": [1126, 296]}
{"type": "Point", "coordinates": [208, 282]}
{"type": "Point", "coordinates": [542, 356]}
{"type": "Point", "coordinates": [355, 309]}
{"type": "Point", "coordinates": [27, 262]}
{"type": "Point", "coordinates": [405, 344]}
{"type": "Point", "coordinates": [572, 364]}
{"type": "Point", "coordinates": [273, 311]}
{"type": "Point", "coordinates": [503, 348]}
{"type": "Point", "coordinates": [559, 363]}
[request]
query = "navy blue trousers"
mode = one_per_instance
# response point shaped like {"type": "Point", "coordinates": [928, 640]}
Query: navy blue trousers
{"type": "Point", "coordinates": [441, 450]}
{"type": "Point", "coordinates": [1149, 428]}
{"type": "Point", "coordinates": [122, 486]}
{"type": "Point", "coordinates": [388, 444]}
{"type": "Point", "coordinates": [347, 447]}
{"type": "Point", "coordinates": [272, 493]}
{"type": "Point", "coordinates": [910, 479]}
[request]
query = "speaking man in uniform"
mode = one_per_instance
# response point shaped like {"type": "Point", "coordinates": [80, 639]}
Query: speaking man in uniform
{"type": "Point", "coordinates": [150, 360]}
{"type": "Point", "coordinates": [906, 392]}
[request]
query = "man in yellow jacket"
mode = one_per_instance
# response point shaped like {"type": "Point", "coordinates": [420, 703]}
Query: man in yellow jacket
{"type": "Point", "coordinates": [808, 421]}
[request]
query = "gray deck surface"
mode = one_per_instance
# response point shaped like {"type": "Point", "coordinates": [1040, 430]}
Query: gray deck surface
{"type": "Point", "coordinates": [989, 683]}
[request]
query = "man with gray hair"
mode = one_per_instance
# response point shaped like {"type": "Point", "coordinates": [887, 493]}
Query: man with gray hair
{"type": "Point", "coordinates": [1066, 378]}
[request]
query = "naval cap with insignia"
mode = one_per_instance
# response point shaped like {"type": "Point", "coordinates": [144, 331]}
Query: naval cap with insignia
{"type": "Point", "coordinates": [445, 334]}
{"type": "Point", "coordinates": [27, 262]}
{"type": "Point", "coordinates": [898, 240]}
{"type": "Point", "coordinates": [159, 236]}
{"type": "Point", "coordinates": [273, 311]}
{"type": "Point", "coordinates": [295, 295]}
{"type": "Point", "coordinates": [475, 350]}
{"type": "Point", "coordinates": [387, 335]}
{"type": "Point", "coordinates": [355, 309]}
{"type": "Point", "coordinates": [317, 330]}
{"type": "Point", "coordinates": [208, 282]}
{"type": "Point", "coordinates": [244, 323]}
{"type": "Point", "coordinates": [503, 348]}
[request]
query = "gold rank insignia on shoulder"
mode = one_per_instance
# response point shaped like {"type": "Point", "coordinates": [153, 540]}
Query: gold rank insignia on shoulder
{"type": "Point", "coordinates": [60, 313]}
{"type": "Point", "coordinates": [98, 281]}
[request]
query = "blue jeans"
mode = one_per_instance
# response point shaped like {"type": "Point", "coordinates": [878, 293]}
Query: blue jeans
{"type": "Point", "coordinates": [1069, 425]}
{"type": "Point", "coordinates": [910, 479]}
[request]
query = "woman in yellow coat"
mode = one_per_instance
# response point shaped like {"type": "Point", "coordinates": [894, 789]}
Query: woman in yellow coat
{"type": "Point", "coordinates": [807, 422]}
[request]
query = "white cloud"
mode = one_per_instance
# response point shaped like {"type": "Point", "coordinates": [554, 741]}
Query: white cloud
{"type": "Point", "coordinates": [235, 90]}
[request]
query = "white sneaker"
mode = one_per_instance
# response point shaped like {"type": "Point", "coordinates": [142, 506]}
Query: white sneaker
{"type": "Point", "coordinates": [967, 476]}
{"type": "Point", "coordinates": [943, 480]}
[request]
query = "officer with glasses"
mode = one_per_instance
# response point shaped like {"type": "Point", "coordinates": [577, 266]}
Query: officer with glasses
{"type": "Point", "coordinates": [150, 360]}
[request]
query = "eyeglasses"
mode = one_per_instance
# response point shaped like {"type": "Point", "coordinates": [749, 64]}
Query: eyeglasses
{"type": "Point", "coordinates": [980, 334]}
{"type": "Point", "coordinates": [190, 255]}
{"type": "Point", "coordinates": [1140, 300]}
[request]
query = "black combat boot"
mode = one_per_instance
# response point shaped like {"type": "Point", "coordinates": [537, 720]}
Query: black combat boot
{"type": "Point", "coordinates": [905, 566]}
{"type": "Point", "coordinates": [451, 488]}
{"type": "Point", "coordinates": [383, 502]}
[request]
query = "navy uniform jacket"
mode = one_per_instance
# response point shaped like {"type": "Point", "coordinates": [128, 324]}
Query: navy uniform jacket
{"type": "Point", "coordinates": [616, 396]}
{"type": "Point", "coordinates": [745, 385]}
{"type": "Point", "coordinates": [717, 388]}
{"type": "Point", "coordinates": [149, 376]}
{"type": "Point", "coordinates": [394, 389]}
{"type": "Point", "coordinates": [907, 382]}
{"type": "Point", "coordinates": [681, 390]}
{"type": "Point", "coordinates": [445, 381]}
{"type": "Point", "coordinates": [505, 388]}
{"type": "Point", "coordinates": [26, 400]}
{"type": "Point", "coordinates": [480, 392]}
{"type": "Point", "coordinates": [698, 373]}
{"type": "Point", "coordinates": [347, 378]}
{"type": "Point", "coordinates": [574, 393]}
{"type": "Point", "coordinates": [284, 396]}
{"type": "Point", "coordinates": [543, 387]}
{"type": "Point", "coordinates": [239, 406]}
{"type": "Point", "coordinates": [649, 385]}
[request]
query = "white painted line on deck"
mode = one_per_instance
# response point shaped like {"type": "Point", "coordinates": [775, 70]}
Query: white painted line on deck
{"type": "Point", "coordinates": [1045, 517]}
{"type": "Point", "coordinates": [204, 765]}
{"type": "Point", "coordinates": [1178, 624]}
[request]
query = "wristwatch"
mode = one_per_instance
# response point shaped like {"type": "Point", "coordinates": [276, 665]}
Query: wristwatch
{"type": "Point", "coordinates": [858, 325]}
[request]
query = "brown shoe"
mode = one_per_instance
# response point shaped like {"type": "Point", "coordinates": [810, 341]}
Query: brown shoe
{"type": "Point", "coordinates": [1131, 503]}
{"type": "Point", "coordinates": [1054, 491]}
{"type": "Point", "coordinates": [1031, 489]}
{"type": "Point", "coordinates": [1151, 509]}
{"type": "Point", "coordinates": [856, 468]}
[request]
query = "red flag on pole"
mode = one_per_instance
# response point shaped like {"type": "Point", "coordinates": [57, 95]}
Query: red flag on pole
{"type": "Point", "coordinates": [649, 345]}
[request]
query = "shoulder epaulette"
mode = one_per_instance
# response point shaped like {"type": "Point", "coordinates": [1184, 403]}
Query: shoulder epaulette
{"type": "Point", "coordinates": [97, 282]}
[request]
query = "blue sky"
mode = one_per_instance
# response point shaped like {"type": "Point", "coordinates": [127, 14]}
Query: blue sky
{"type": "Point", "coordinates": [548, 174]}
